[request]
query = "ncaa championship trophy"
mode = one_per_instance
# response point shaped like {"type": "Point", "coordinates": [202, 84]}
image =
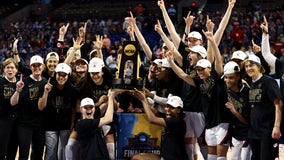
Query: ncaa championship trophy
{"type": "Point", "coordinates": [127, 76]}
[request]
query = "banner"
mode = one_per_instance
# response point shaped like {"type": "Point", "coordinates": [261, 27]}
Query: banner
{"type": "Point", "coordinates": [135, 134]}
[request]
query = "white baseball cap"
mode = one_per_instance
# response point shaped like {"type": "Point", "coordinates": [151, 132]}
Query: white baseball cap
{"type": "Point", "coordinates": [96, 65]}
{"type": "Point", "coordinates": [63, 67]}
{"type": "Point", "coordinates": [231, 67]}
{"type": "Point", "coordinates": [87, 102]}
{"type": "Point", "coordinates": [81, 60]}
{"type": "Point", "coordinates": [239, 55]}
{"type": "Point", "coordinates": [36, 59]}
{"type": "Point", "coordinates": [165, 63]}
{"type": "Point", "coordinates": [162, 63]}
{"type": "Point", "coordinates": [195, 34]}
{"type": "Point", "coordinates": [52, 54]}
{"type": "Point", "coordinates": [254, 58]}
{"type": "Point", "coordinates": [175, 101]}
{"type": "Point", "coordinates": [198, 49]}
{"type": "Point", "coordinates": [204, 63]}
{"type": "Point", "coordinates": [94, 51]}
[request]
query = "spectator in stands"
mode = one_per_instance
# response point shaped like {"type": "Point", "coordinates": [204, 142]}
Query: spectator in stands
{"type": "Point", "coordinates": [139, 9]}
{"type": "Point", "coordinates": [237, 36]}
{"type": "Point", "coordinates": [111, 60]}
{"type": "Point", "coordinates": [172, 12]}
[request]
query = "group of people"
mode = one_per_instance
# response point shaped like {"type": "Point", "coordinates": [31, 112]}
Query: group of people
{"type": "Point", "coordinates": [62, 107]}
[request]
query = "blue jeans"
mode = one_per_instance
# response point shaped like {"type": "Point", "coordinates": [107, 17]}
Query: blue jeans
{"type": "Point", "coordinates": [55, 142]}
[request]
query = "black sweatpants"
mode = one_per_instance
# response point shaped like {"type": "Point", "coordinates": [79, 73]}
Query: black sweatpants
{"type": "Point", "coordinates": [27, 136]}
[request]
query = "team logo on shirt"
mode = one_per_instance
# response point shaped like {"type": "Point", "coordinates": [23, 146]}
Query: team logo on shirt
{"type": "Point", "coordinates": [33, 93]}
{"type": "Point", "coordinates": [207, 86]}
{"type": "Point", "coordinates": [8, 92]}
{"type": "Point", "coordinates": [255, 95]}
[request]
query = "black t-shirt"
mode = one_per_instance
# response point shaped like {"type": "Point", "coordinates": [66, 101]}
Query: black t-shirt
{"type": "Point", "coordinates": [90, 89]}
{"type": "Point", "coordinates": [30, 115]}
{"type": "Point", "coordinates": [213, 99]}
{"type": "Point", "coordinates": [58, 111]}
{"type": "Point", "coordinates": [262, 94]}
{"type": "Point", "coordinates": [172, 142]}
{"type": "Point", "coordinates": [93, 146]}
{"type": "Point", "coordinates": [190, 95]}
{"type": "Point", "coordinates": [241, 104]}
{"type": "Point", "coordinates": [7, 89]}
{"type": "Point", "coordinates": [174, 84]}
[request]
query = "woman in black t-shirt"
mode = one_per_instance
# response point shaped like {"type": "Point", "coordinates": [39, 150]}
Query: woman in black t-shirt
{"type": "Point", "coordinates": [93, 145]}
{"type": "Point", "coordinates": [266, 108]}
{"type": "Point", "coordinates": [30, 129]}
{"type": "Point", "coordinates": [172, 138]}
{"type": "Point", "coordinates": [238, 105]}
{"type": "Point", "coordinates": [58, 105]}
{"type": "Point", "coordinates": [8, 113]}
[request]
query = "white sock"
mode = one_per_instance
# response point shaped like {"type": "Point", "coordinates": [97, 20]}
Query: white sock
{"type": "Point", "coordinates": [189, 150]}
{"type": "Point", "coordinates": [221, 158]}
{"type": "Point", "coordinates": [71, 149]}
{"type": "Point", "coordinates": [211, 157]}
{"type": "Point", "coordinates": [110, 148]}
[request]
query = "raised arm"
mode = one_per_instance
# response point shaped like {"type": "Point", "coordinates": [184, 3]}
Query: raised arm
{"type": "Point", "coordinates": [188, 23]}
{"type": "Point", "coordinates": [169, 43]}
{"type": "Point", "coordinates": [77, 44]}
{"type": "Point", "coordinates": [223, 24]}
{"type": "Point", "coordinates": [170, 26]}
{"type": "Point", "coordinates": [62, 31]}
{"type": "Point", "coordinates": [108, 117]}
{"type": "Point", "coordinates": [179, 72]}
{"type": "Point", "coordinates": [147, 108]}
{"type": "Point", "coordinates": [42, 101]}
{"type": "Point", "coordinates": [99, 45]}
{"type": "Point", "coordinates": [210, 27]}
{"type": "Point", "coordinates": [214, 51]}
{"type": "Point", "coordinates": [153, 95]}
{"type": "Point", "coordinates": [14, 100]}
{"type": "Point", "coordinates": [15, 51]}
{"type": "Point", "coordinates": [140, 37]}
{"type": "Point", "coordinates": [265, 47]}
{"type": "Point", "coordinates": [130, 31]}
{"type": "Point", "coordinates": [60, 43]}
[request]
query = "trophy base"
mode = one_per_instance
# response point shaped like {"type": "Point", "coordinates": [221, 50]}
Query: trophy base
{"type": "Point", "coordinates": [127, 84]}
